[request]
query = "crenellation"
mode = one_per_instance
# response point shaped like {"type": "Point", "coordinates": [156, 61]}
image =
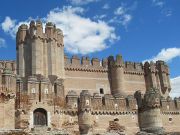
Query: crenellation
{"type": "Point", "coordinates": [75, 60]}
{"type": "Point", "coordinates": [72, 100]}
{"type": "Point", "coordinates": [121, 104]}
{"type": "Point", "coordinates": [85, 61]}
{"type": "Point", "coordinates": [67, 61]}
{"type": "Point", "coordinates": [105, 63]}
{"type": "Point", "coordinates": [49, 30]}
{"type": "Point", "coordinates": [177, 103]}
{"type": "Point", "coordinates": [169, 105]}
{"type": "Point", "coordinates": [131, 103]}
{"type": "Point", "coordinates": [85, 64]}
{"type": "Point", "coordinates": [95, 62]}
{"type": "Point", "coordinates": [39, 29]}
{"type": "Point", "coordinates": [96, 101]}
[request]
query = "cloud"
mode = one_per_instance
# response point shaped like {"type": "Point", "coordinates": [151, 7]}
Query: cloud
{"type": "Point", "coordinates": [158, 3]}
{"type": "Point", "coordinates": [99, 17]}
{"type": "Point", "coordinates": [81, 35]}
{"type": "Point", "coordinates": [166, 55]}
{"type": "Point", "coordinates": [82, 2]}
{"type": "Point", "coordinates": [163, 7]}
{"type": "Point", "coordinates": [10, 26]}
{"type": "Point", "coordinates": [106, 6]}
{"type": "Point", "coordinates": [175, 84]}
{"type": "Point", "coordinates": [122, 15]}
{"type": "Point", "coordinates": [2, 42]}
{"type": "Point", "coordinates": [120, 11]}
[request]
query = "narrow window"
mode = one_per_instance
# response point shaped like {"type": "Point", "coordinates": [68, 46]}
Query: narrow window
{"type": "Point", "coordinates": [116, 106]}
{"type": "Point", "coordinates": [33, 90]}
{"type": "Point", "coordinates": [55, 89]}
{"type": "Point", "coordinates": [87, 102]}
{"type": "Point", "coordinates": [101, 91]}
{"type": "Point", "coordinates": [46, 91]}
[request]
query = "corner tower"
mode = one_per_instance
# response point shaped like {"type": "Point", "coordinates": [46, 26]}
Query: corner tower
{"type": "Point", "coordinates": [39, 52]}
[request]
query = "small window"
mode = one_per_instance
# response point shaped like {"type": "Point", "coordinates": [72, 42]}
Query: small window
{"type": "Point", "coordinates": [87, 102]}
{"type": "Point", "coordinates": [101, 91]}
{"type": "Point", "coordinates": [116, 106]}
{"type": "Point", "coordinates": [116, 119]}
{"type": "Point", "coordinates": [75, 105]}
{"type": "Point", "coordinates": [33, 90]}
{"type": "Point", "coordinates": [170, 119]}
{"type": "Point", "coordinates": [46, 91]}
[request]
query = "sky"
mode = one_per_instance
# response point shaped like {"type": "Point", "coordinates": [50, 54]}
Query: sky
{"type": "Point", "coordinates": [139, 30]}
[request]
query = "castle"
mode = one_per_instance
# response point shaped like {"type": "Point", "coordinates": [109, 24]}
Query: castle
{"type": "Point", "coordinates": [45, 89]}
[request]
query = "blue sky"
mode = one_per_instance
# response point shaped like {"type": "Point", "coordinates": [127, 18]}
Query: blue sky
{"type": "Point", "coordinates": [138, 29]}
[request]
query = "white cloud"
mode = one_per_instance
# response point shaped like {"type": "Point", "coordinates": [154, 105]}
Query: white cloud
{"type": "Point", "coordinates": [81, 35]}
{"type": "Point", "coordinates": [81, 2]}
{"type": "Point", "coordinates": [2, 42]}
{"type": "Point", "coordinates": [158, 3]}
{"type": "Point", "coordinates": [161, 4]}
{"type": "Point", "coordinates": [166, 55]}
{"type": "Point", "coordinates": [120, 11]}
{"type": "Point", "coordinates": [99, 17]}
{"type": "Point", "coordinates": [10, 26]}
{"type": "Point", "coordinates": [122, 16]}
{"type": "Point", "coordinates": [106, 6]}
{"type": "Point", "coordinates": [175, 84]}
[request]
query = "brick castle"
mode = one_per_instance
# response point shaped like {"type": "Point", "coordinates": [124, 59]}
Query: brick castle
{"type": "Point", "coordinates": [45, 91]}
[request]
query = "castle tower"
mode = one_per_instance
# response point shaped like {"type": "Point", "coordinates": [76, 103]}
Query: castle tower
{"type": "Point", "coordinates": [117, 75]}
{"type": "Point", "coordinates": [20, 43]}
{"type": "Point", "coordinates": [8, 78]}
{"type": "Point", "coordinates": [85, 118]}
{"type": "Point", "coordinates": [149, 113]}
{"type": "Point", "coordinates": [38, 52]}
{"type": "Point", "coordinates": [150, 75]}
{"type": "Point", "coordinates": [164, 79]}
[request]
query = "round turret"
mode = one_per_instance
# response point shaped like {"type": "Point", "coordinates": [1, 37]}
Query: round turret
{"type": "Point", "coordinates": [39, 28]}
{"type": "Point", "coordinates": [21, 34]}
{"type": "Point", "coordinates": [117, 75]}
{"type": "Point", "coordinates": [85, 117]}
{"type": "Point", "coordinates": [149, 114]}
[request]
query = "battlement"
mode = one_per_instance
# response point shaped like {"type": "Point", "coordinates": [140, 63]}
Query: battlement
{"type": "Point", "coordinates": [116, 62]}
{"type": "Point", "coordinates": [134, 66]}
{"type": "Point", "coordinates": [101, 103]}
{"type": "Point", "coordinates": [170, 105]}
{"type": "Point", "coordinates": [86, 64]}
{"type": "Point", "coordinates": [35, 30]}
{"type": "Point", "coordinates": [159, 66]}
{"type": "Point", "coordinates": [10, 65]}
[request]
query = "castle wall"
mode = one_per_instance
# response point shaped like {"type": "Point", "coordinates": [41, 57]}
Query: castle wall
{"type": "Point", "coordinates": [101, 123]}
{"type": "Point", "coordinates": [171, 122]}
{"type": "Point", "coordinates": [83, 80]}
{"type": "Point", "coordinates": [133, 83]}
{"type": "Point", "coordinates": [7, 114]}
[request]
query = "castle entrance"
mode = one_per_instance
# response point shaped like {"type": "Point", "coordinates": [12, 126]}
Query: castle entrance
{"type": "Point", "coordinates": [40, 117]}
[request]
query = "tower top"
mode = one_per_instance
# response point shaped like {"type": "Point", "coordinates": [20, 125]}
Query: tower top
{"type": "Point", "coordinates": [35, 30]}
